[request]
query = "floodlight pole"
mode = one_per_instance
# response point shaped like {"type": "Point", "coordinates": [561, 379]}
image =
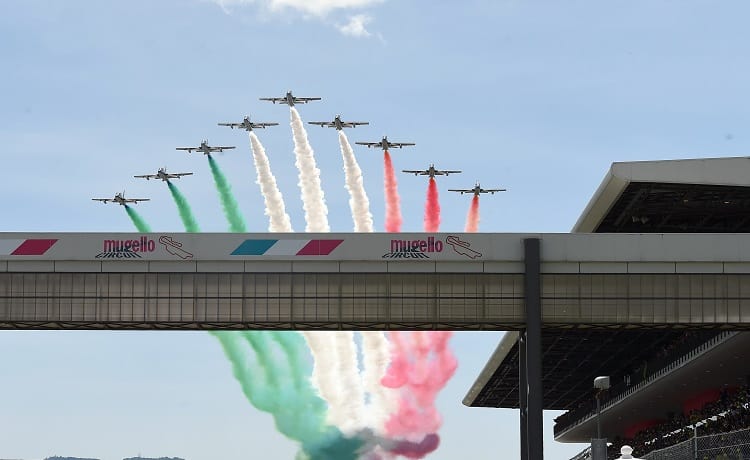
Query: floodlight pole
{"type": "Point", "coordinates": [598, 416]}
{"type": "Point", "coordinates": [599, 444]}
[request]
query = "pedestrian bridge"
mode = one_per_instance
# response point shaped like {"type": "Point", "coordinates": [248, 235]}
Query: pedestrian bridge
{"type": "Point", "coordinates": [371, 281]}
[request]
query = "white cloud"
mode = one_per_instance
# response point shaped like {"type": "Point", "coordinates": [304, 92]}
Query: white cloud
{"type": "Point", "coordinates": [356, 26]}
{"type": "Point", "coordinates": [311, 7]}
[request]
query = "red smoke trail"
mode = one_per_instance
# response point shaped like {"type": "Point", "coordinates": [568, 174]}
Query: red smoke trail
{"type": "Point", "coordinates": [432, 208]}
{"type": "Point", "coordinates": [416, 449]}
{"type": "Point", "coordinates": [396, 376]}
{"type": "Point", "coordinates": [392, 201]}
{"type": "Point", "coordinates": [472, 219]}
{"type": "Point", "coordinates": [421, 365]}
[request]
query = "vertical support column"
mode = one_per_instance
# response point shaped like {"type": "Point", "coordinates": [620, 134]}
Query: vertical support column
{"type": "Point", "coordinates": [523, 395]}
{"type": "Point", "coordinates": [533, 297]}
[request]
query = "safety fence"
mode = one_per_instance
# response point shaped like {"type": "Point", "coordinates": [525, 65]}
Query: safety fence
{"type": "Point", "coordinates": [734, 445]}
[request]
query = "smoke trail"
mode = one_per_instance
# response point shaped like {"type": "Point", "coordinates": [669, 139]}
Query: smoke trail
{"type": "Point", "coordinates": [376, 358]}
{"type": "Point", "coordinates": [358, 201]}
{"type": "Point", "coordinates": [472, 219]}
{"type": "Point", "coordinates": [138, 221]}
{"type": "Point", "coordinates": [351, 399]}
{"type": "Point", "coordinates": [275, 209]}
{"type": "Point", "coordinates": [432, 208]}
{"type": "Point", "coordinates": [231, 209]}
{"type": "Point", "coordinates": [416, 450]}
{"type": "Point", "coordinates": [280, 388]}
{"type": "Point", "coordinates": [186, 214]}
{"type": "Point", "coordinates": [313, 201]}
{"type": "Point", "coordinates": [393, 218]}
{"type": "Point", "coordinates": [422, 365]}
{"type": "Point", "coordinates": [324, 373]}
{"type": "Point", "coordinates": [396, 376]}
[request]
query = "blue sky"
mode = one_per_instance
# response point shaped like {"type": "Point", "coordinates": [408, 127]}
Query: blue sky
{"type": "Point", "coordinates": [539, 97]}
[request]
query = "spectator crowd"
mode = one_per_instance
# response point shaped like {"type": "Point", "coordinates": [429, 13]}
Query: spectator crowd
{"type": "Point", "coordinates": [730, 412]}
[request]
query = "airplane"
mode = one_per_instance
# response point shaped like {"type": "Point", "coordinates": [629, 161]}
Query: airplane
{"type": "Point", "coordinates": [431, 171]}
{"type": "Point", "coordinates": [338, 123]}
{"type": "Point", "coordinates": [163, 175]}
{"type": "Point", "coordinates": [385, 144]}
{"type": "Point", "coordinates": [289, 99]}
{"type": "Point", "coordinates": [204, 148]}
{"type": "Point", "coordinates": [477, 190]}
{"type": "Point", "coordinates": [120, 199]}
{"type": "Point", "coordinates": [247, 125]}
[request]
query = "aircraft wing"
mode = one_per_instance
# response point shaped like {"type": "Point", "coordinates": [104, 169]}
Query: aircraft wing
{"type": "Point", "coordinates": [305, 100]}
{"type": "Point", "coordinates": [220, 149]}
{"type": "Point", "coordinates": [103, 200]}
{"type": "Point", "coordinates": [354, 124]}
{"type": "Point", "coordinates": [416, 171]}
{"type": "Point", "coordinates": [187, 149]}
{"type": "Point", "coordinates": [448, 171]}
{"type": "Point", "coordinates": [263, 125]}
{"type": "Point", "coordinates": [493, 190]}
{"type": "Point", "coordinates": [147, 176]}
{"type": "Point", "coordinates": [369, 144]}
{"type": "Point", "coordinates": [136, 200]}
{"type": "Point", "coordinates": [273, 99]}
{"type": "Point", "coordinates": [176, 175]}
{"type": "Point", "coordinates": [322, 124]}
{"type": "Point", "coordinates": [398, 145]}
{"type": "Point", "coordinates": [231, 125]}
{"type": "Point", "coordinates": [461, 190]}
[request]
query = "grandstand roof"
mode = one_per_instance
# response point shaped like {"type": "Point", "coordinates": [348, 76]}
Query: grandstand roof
{"type": "Point", "coordinates": [671, 196]}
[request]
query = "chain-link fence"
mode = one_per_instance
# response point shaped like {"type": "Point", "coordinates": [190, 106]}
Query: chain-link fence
{"type": "Point", "coordinates": [682, 451]}
{"type": "Point", "coordinates": [734, 445]}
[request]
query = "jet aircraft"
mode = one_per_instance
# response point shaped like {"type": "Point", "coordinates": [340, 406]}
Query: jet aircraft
{"type": "Point", "coordinates": [247, 125]}
{"type": "Point", "coordinates": [431, 171]}
{"type": "Point", "coordinates": [385, 144]}
{"type": "Point", "coordinates": [477, 190]}
{"type": "Point", "coordinates": [120, 199]}
{"type": "Point", "coordinates": [163, 175]}
{"type": "Point", "coordinates": [204, 148]}
{"type": "Point", "coordinates": [290, 99]}
{"type": "Point", "coordinates": [338, 123]}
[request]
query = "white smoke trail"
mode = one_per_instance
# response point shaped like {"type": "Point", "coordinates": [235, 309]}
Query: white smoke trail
{"type": "Point", "coordinates": [351, 399]}
{"type": "Point", "coordinates": [313, 201]}
{"type": "Point", "coordinates": [376, 358]}
{"type": "Point", "coordinates": [336, 375]}
{"type": "Point", "coordinates": [358, 201]}
{"type": "Point", "coordinates": [275, 210]}
{"type": "Point", "coordinates": [325, 373]}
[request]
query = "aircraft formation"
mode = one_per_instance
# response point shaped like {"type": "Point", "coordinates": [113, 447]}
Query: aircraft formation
{"type": "Point", "coordinates": [289, 99]}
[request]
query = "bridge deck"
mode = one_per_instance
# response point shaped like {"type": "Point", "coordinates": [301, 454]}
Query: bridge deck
{"type": "Point", "coordinates": [588, 280]}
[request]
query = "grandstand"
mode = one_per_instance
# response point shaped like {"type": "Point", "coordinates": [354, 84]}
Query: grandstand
{"type": "Point", "coordinates": [670, 384]}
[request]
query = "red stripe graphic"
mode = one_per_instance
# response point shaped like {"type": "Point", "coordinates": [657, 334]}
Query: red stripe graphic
{"type": "Point", "coordinates": [33, 247]}
{"type": "Point", "coordinates": [319, 247]}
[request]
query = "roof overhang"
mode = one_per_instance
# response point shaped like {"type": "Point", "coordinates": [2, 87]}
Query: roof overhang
{"type": "Point", "coordinates": [706, 171]}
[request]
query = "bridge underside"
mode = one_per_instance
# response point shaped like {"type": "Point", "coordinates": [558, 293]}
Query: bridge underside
{"type": "Point", "coordinates": [358, 301]}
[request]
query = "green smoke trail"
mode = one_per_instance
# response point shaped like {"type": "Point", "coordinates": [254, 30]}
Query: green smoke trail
{"type": "Point", "coordinates": [231, 210]}
{"type": "Point", "coordinates": [186, 214]}
{"type": "Point", "coordinates": [140, 224]}
{"type": "Point", "coordinates": [282, 388]}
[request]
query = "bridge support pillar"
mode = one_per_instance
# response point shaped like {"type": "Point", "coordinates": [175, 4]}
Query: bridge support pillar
{"type": "Point", "coordinates": [530, 356]}
{"type": "Point", "coordinates": [523, 394]}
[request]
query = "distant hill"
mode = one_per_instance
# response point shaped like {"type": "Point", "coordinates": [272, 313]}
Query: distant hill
{"type": "Point", "coordinates": [56, 457]}
{"type": "Point", "coordinates": [147, 458]}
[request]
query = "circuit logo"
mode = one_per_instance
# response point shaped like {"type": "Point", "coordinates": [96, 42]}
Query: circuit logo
{"type": "Point", "coordinates": [414, 249]}
{"type": "Point", "coordinates": [126, 249]}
